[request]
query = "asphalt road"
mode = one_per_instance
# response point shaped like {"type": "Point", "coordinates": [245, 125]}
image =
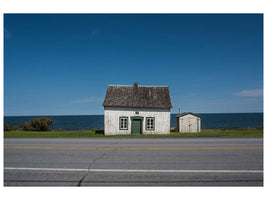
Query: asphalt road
{"type": "Point", "coordinates": [134, 162]}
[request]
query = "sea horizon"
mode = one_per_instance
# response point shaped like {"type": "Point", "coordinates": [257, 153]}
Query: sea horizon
{"type": "Point", "coordinates": [88, 122]}
{"type": "Point", "coordinates": [47, 115]}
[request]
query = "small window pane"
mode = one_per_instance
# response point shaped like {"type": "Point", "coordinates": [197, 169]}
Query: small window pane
{"type": "Point", "coordinates": [150, 123]}
{"type": "Point", "coordinates": [123, 123]}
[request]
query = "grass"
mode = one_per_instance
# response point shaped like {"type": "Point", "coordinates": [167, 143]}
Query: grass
{"type": "Point", "coordinates": [61, 134]}
{"type": "Point", "coordinates": [92, 133]}
{"type": "Point", "coordinates": [224, 133]}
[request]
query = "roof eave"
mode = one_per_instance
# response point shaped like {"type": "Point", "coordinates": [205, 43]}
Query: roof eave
{"type": "Point", "coordinates": [187, 113]}
{"type": "Point", "coordinates": [113, 106]}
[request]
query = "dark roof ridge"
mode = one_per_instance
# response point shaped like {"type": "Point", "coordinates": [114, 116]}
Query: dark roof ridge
{"type": "Point", "coordinates": [138, 86]}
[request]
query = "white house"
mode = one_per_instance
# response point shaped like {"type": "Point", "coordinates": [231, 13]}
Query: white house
{"type": "Point", "coordinates": [188, 122]}
{"type": "Point", "coordinates": [137, 110]}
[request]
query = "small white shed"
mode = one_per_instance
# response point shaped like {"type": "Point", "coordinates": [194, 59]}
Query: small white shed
{"type": "Point", "coordinates": [188, 122]}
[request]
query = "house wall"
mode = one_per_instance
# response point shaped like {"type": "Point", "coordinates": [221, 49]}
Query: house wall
{"type": "Point", "coordinates": [189, 124]}
{"type": "Point", "coordinates": [112, 115]}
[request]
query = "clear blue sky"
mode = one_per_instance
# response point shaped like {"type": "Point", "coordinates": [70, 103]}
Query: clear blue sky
{"type": "Point", "coordinates": [62, 64]}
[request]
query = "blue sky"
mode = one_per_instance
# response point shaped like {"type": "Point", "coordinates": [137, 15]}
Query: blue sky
{"type": "Point", "coordinates": [62, 64]}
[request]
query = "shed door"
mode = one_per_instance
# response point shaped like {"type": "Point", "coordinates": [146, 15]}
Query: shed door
{"type": "Point", "coordinates": [136, 126]}
{"type": "Point", "coordinates": [187, 125]}
{"type": "Point", "coordinates": [190, 125]}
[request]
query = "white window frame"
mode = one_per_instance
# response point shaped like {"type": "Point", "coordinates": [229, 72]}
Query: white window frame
{"type": "Point", "coordinates": [123, 123]}
{"type": "Point", "coordinates": [150, 123]}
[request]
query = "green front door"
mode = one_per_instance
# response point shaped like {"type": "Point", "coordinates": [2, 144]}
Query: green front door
{"type": "Point", "coordinates": [136, 126]}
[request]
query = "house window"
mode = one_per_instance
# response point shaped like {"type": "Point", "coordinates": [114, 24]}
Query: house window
{"type": "Point", "coordinates": [123, 123]}
{"type": "Point", "coordinates": [150, 123]}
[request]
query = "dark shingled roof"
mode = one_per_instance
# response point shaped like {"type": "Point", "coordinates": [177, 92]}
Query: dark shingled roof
{"type": "Point", "coordinates": [138, 97]}
{"type": "Point", "coordinates": [187, 113]}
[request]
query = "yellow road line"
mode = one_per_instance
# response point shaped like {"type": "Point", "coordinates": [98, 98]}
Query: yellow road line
{"type": "Point", "coordinates": [130, 148]}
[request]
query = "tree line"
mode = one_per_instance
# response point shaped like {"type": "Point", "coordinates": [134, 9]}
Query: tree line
{"type": "Point", "coordinates": [36, 124]}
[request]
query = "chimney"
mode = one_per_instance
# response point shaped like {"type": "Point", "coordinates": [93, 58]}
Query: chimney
{"type": "Point", "coordinates": [135, 85]}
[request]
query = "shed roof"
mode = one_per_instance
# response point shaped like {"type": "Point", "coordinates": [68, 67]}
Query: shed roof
{"type": "Point", "coordinates": [138, 96]}
{"type": "Point", "coordinates": [187, 113]}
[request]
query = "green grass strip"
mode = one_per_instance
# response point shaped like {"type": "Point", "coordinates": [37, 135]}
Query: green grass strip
{"type": "Point", "coordinates": [88, 133]}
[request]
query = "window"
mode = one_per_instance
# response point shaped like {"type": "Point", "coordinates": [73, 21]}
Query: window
{"type": "Point", "coordinates": [150, 123]}
{"type": "Point", "coordinates": [123, 123]}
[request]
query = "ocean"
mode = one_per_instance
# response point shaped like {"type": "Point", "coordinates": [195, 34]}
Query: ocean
{"type": "Point", "coordinates": [88, 122]}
